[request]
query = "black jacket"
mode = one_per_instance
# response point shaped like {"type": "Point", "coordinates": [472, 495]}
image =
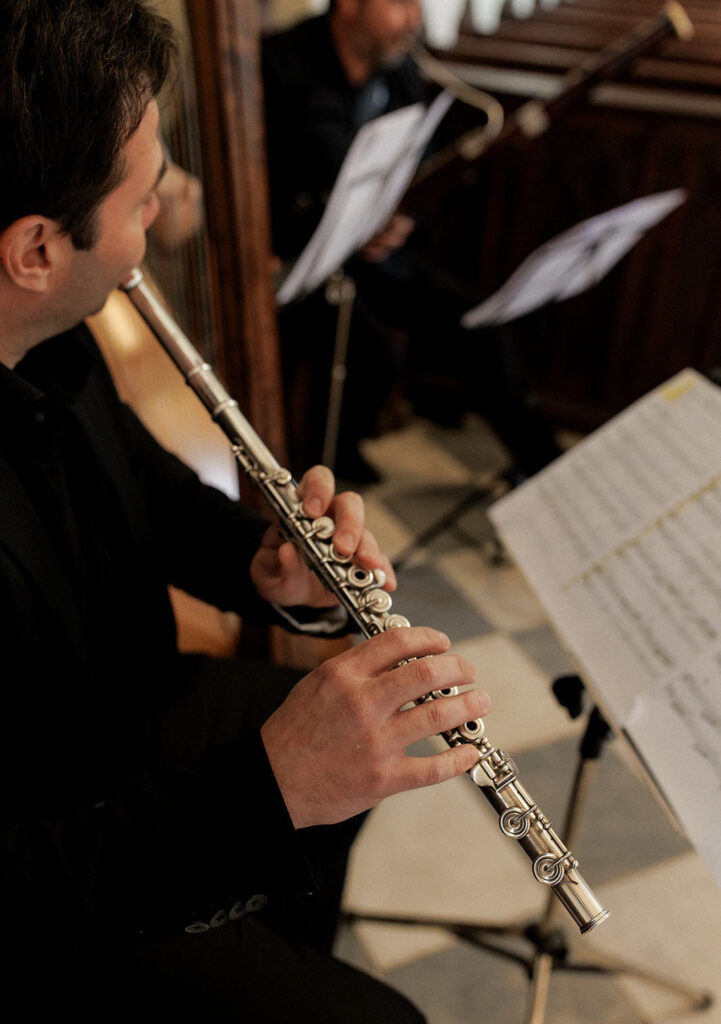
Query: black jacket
{"type": "Point", "coordinates": [101, 842]}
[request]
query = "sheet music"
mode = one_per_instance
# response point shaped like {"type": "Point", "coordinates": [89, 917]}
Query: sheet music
{"type": "Point", "coordinates": [574, 260]}
{"type": "Point", "coordinates": [377, 169]}
{"type": "Point", "coordinates": [621, 538]}
{"type": "Point", "coordinates": [686, 716]}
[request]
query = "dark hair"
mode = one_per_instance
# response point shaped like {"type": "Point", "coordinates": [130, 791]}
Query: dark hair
{"type": "Point", "coordinates": [75, 79]}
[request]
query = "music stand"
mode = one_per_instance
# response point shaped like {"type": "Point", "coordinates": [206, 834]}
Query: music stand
{"type": "Point", "coordinates": [478, 494]}
{"type": "Point", "coordinates": [340, 292]}
{"type": "Point", "coordinates": [550, 947]}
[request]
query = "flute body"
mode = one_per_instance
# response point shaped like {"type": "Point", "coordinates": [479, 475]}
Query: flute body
{"type": "Point", "coordinates": [361, 593]}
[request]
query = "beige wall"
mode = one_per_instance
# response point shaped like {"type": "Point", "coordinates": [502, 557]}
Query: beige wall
{"type": "Point", "coordinates": [283, 12]}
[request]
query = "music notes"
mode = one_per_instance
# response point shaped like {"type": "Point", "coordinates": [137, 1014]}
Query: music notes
{"type": "Point", "coordinates": [680, 725]}
{"type": "Point", "coordinates": [376, 171]}
{"type": "Point", "coordinates": [621, 538]}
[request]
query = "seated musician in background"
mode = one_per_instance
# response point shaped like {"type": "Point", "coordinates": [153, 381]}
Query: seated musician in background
{"type": "Point", "coordinates": [174, 829]}
{"type": "Point", "coordinates": [323, 80]}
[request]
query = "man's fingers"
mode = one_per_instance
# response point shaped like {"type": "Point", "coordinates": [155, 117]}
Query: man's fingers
{"type": "Point", "coordinates": [316, 490]}
{"type": "Point", "coordinates": [348, 511]}
{"type": "Point", "coordinates": [407, 683]}
{"type": "Point", "coordinates": [383, 652]}
{"type": "Point", "coordinates": [369, 556]}
{"type": "Point", "coordinates": [418, 772]}
{"type": "Point", "coordinates": [438, 716]}
{"type": "Point", "coordinates": [398, 233]}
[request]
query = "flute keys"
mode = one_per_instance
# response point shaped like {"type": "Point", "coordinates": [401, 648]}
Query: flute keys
{"type": "Point", "coordinates": [396, 621]}
{"type": "Point", "coordinates": [515, 823]}
{"type": "Point", "coordinates": [280, 477]}
{"type": "Point", "coordinates": [337, 557]}
{"type": "Point", "coordinates": [450, 691]}
{"type": "Point", "coordinates": [322, 528]}
{"type": "Point", "coordinates": [549, 869]}
{"type": "Point", "coordinates": [473, 730]}
{"type": "Point", "coordinates": [380, 577]}
{"type": "Point", "coordinates": [360, 578]}
{"type": "Point", "coordinates": [377, 601]}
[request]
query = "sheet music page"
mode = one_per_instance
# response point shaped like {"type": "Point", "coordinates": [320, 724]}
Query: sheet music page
{"type": "Point", "coordinates": [621, 538]}
{"type": "Point", "coordinates": [574, 260]}
{"type": "Point", "coordinates": [377, 170]}
{"type": "Point", "coordinates": [681, 726]}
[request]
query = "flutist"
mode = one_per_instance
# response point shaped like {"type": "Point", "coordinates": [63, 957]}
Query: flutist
{"type": "Point", "coordinates": [174, 829]}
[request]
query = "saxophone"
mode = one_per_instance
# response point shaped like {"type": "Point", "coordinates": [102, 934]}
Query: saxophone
{"type": "Point", "coordinates": [370, 607]}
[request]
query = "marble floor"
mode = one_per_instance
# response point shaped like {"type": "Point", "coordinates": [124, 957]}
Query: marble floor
{"type": "Point", "coordinates": [438, 853]}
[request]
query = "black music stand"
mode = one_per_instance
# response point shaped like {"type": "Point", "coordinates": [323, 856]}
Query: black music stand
{"type": "Point", "coordinates": [477, 494]}
{"type": "Point", "coordinates": [549, 947]}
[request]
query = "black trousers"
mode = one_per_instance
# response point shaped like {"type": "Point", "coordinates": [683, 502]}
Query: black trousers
{"type": "Point", "coordinates": [275, 969]}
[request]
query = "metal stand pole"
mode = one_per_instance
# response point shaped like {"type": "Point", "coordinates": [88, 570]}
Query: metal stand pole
{"type": "Point", "coordinates": [340, 291]}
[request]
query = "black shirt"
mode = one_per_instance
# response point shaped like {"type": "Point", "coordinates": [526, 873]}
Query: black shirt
{"type": "Point", "coordinates": [75, 501]}
{"type": "Point", "coordinates": [101, 835]}
{"type": "Point", "coordinates": [313, 113]}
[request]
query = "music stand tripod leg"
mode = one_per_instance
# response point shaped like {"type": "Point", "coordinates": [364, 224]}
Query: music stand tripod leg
{"type": "Point", "coordinates": [550, 949]}
{"type": "Point", "coordinates": [540, 988]}
{"type": "Point", "coordinates": [568, 691]}
{"type": "Point", "coordinates": [551, 946]}
{"type": "Point", "coordinates": [475, 496]}
{"type": "Point", "coordinates": [697, 998]}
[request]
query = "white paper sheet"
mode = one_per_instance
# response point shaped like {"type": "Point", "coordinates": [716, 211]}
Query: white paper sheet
{"type": "Point", "coordinates": [680, 726]}
{"type": "Point", "coordinates": [377, 169]}
{"type": "Point", "coordinates": [575, 260]}
{"type": "Point", "coordinates": [621, 538]}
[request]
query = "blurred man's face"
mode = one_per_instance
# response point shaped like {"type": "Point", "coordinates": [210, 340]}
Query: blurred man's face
{"type": "Point", "coordinates": [386, 29]}
{"type": "Point", "coordinates": [123, 218]}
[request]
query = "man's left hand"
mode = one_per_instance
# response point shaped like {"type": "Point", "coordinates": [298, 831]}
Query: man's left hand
{"type": "Point", "coordinates": [279, 574]}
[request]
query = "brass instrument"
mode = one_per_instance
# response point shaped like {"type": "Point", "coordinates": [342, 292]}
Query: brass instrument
{"type": "Point", "coordinates": [370, 607]}
{"type": "Point", "coordinates": [444, 168]}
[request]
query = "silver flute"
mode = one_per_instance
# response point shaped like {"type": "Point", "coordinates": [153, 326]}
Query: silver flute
{"type": "Point", "coordinates": [361, 592]}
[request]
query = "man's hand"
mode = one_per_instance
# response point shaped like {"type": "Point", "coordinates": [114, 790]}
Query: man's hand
{"type": "Point", "coordinates": [337, 745]}
{"type": "Point", "coordinates": [181, 208]}
{"type": "Point", "coordinates": [277, 571]}
{"type": "Point", "coordinates": [392, 237]}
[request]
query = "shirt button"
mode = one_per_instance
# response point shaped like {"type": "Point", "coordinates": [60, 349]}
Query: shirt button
{"type": "Point", "coordinates": [237, 911]}
{"type": "Point", "coordinates": [256, 902]}
{"type": "Point", "coordinates": [197, 928]}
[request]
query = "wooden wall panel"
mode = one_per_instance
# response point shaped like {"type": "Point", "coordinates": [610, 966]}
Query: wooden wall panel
{"type": "Point", "coordinates": [658, 128]}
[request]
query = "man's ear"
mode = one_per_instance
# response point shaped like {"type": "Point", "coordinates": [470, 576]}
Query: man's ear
{"type": "Point", "coordinates": [33, 251]}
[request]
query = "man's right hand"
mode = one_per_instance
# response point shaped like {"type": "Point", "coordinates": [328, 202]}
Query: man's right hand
{"type": "Point", "coordinates": [385, 242]}
{"type": "Point", "coordinates": [337, 744]}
